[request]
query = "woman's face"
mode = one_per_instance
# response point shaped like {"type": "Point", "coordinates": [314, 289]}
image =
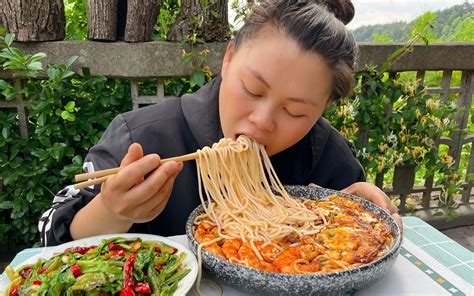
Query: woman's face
{"type": "Point", "coordinates": [272, 91]}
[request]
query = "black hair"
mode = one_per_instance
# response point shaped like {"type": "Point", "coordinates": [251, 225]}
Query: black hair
{"type": "Point", "coordinates": [316, 25]}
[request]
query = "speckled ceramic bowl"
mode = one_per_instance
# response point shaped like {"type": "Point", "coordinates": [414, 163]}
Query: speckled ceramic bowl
{"type": "Point", "coordinates": [269, 283]}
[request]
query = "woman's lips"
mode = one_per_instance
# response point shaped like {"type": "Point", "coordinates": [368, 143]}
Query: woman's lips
{"type": "Point", "coordinates": [257, 139]}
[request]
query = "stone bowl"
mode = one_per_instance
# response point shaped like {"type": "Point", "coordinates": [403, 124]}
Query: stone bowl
{"type": "Point", "coordinates": [255, 281]}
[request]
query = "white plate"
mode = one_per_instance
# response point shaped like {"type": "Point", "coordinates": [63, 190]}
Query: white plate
{"type": "Point", "coordinates": [184, 284]}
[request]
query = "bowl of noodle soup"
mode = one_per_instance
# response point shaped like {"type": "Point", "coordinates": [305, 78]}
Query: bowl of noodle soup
{"type": "Point", "coordinates": [298, 277]}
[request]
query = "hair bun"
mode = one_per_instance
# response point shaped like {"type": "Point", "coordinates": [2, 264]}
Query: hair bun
{"type": "Point", "coordinates": [342, 9]}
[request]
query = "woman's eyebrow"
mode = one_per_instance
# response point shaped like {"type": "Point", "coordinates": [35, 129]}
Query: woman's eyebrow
{"type": "Point", "coordinates": [299, 100]}
{"type": "Point", "coordinates": [303, 100]}
{"type": "Point", "coordinates": [259, 77]}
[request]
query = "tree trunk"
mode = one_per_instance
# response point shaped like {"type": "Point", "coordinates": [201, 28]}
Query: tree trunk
{"type": "Point", "coordinates": [102, 19]}
{"type": "Point", "coordinates": [216, 23]}
{"type": "Point", "coordinates": [141, 19]}
{"type": "Point", "coordinates": [33, 20]}
{"type": "Point", "coordinates": [185, 23]}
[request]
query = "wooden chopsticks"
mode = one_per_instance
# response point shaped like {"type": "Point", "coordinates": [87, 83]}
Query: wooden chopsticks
{"type": "Point", "coordinates": [99, 177]}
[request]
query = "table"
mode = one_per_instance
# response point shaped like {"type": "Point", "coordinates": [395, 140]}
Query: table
{"type": "Point", "coordinates": [430, 263]}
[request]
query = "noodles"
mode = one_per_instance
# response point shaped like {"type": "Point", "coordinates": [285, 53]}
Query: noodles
{"type": "Point", "coordinates": [250, 201]}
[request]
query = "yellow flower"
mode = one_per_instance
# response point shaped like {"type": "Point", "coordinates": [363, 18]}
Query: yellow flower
{"type": "Point", "coordinates": [355, 128]}
{"type": "Point", "coordinates": [423, 121]}
{"type": "Point", "coordinates": [446, 159]}
{"type": "Point", "coordinates": [344, 131]}
{"type": "Point", "coordinates": [207, 71]}
{"type": "Point", "coordinates": [416, 151]}
{"type": "Point", "coordinates": [383, 147]}
{"type": "Point", "coordinates": [437, 121]}
{"type": "Point", "coordinates": [432, 104]}
{"type": "Point", "coordinates": [381, 163]}
{"type": "Point", "coordinates": [406, 149]}
{"type": "Point", "coordinates": [418, 113]}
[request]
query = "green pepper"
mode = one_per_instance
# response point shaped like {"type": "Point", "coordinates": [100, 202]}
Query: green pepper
{"type": "Point", "coordinates": [53, 265]}
{"type": "Point", "coordinates": [88, 282]}
{"type": "Point", "coordinates": [161, 260]}
{"type": "Point", "coordinates": [165, 249]}
{"type": "Point", "coordinates": [100, 266]}
{"type": "Point", "coordinates": [177, 276]}
{"type": "Point", "coordinates": [144, 258]}
{"type": "Point", "coordinates": [168, 290]}
{"type": "Point", "coordinates": [60, 281]}
{"type": "Point", "coordinates": [173, 266]}
{"type": "Point", "coordinates": [154, 279]}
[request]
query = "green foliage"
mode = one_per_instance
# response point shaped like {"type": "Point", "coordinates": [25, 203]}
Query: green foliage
{"type": "Point", "coordinates": [168, 12]}
{"type": "Point", "coordinates": [463, 29]}
{"type": "Point", "coordinates": [424, 25]}
{"type": "Point", "coordinates": [76, 19]}
{"type": "Point", "coordinates": [452, 24]}
{"type": "Point", "coordinates": [68, 114]}
{"type": "Point", "coordinates": [384, 37]}
{"type": "Point", "coordinates": [394, 122]}
{"type": "Point", "coordinates": [13, 59]}
{"type": "Point", "coordinates": [197, 60]}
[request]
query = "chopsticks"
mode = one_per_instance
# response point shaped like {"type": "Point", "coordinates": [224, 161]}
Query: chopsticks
{"type": "Point", "coordinates": [99, 177]}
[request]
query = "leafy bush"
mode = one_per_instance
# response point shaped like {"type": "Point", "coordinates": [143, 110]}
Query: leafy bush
{"type": "Point", "coordinates": [393, 123]}
{"type": "Point", "coordinates": [67, 116]}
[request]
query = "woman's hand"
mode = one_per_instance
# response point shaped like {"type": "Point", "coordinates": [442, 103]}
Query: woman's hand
{"type": "Point", "coordinates": [377, 196]}
{"type": "Point", "coordinates": [129, 196]}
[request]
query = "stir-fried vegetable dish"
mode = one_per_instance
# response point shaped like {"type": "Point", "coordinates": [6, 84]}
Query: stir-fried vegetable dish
{"type": "Point", "coordinates": [117, 266]}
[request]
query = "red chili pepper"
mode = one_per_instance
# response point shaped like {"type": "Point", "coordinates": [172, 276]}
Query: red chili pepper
{"type": "Point", "coordinates": [159, 267]}
{"type": "Point", "coordinates": [36, 282]}
{"type": "Point", "coordinates": [25, 272]}
{"type": "Point", "coordinates": [42, 270]}
{"type": "Point", "coordinates": [127, 291]}
{"type": "Point", "coordinates": [143, 288]}
{"type": "Point", "coordinates": [14, 291]}
{"type": "Point", "coordinates": [127, 270]}
{"type": "Point", "coordinates": [113, 246]}
{"type": "Point", "coordinates": [118, 253]}
{"type": "Point", "coordinates": [157, 249]}
{"type": "Point", "coordinates": [76, 270]}
{"type": "Point", "coordinates": [82, 250]}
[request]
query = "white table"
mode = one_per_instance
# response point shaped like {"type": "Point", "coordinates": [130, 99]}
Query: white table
{"type": "Point", "coordinates": [430, 263]}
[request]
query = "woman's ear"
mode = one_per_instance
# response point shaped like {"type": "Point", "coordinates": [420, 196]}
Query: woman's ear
{"type": "Point", "coordinates": [229, 53]}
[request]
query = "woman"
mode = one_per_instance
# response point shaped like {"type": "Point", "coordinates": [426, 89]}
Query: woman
{"type": "Point", "coordinates": [287, 63]}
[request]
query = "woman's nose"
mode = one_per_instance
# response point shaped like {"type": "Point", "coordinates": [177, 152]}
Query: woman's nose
{"type": "Point", "coordinates": [263, 117]}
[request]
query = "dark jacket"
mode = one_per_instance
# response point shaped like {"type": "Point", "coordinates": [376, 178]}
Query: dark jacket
{"type": "Point", "coordinates": [183, 125]}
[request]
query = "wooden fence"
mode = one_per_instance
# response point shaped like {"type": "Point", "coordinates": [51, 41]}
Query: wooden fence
{"type": "Point", "coordinates": [162, 60]}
